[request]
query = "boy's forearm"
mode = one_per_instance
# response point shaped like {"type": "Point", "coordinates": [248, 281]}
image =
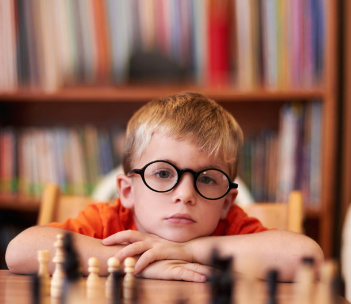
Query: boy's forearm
{"type": "Point", "coordinates": [21, 253]}
{"type": "Point", "coordinates": [281, 250]}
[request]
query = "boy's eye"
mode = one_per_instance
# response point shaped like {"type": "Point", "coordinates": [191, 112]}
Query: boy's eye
{"type": "Point", "coordinates": [206, 180]}
{"type": "Point", "coordinates": [163, 174]}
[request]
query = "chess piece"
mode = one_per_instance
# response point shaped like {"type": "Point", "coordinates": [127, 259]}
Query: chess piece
{"type": "Point", "coordinates": [71, 263]}
{"type": "Point", "coordinates": [36, 289]}
{"type": "Point", "coordinates": [43, 273]}
{"type": "Point", "coordinates": [326, 292]}
{"type": "Point", "coordinates": [222, 280]}
{"type": "Point", "coordinates": [129, 282]}
{"type": "Point", "coordinates": [58, 275]}
{"type": "Point", "coordinates": [272, 278]}
{"type": "Point", "coordinates": [117, 282]}
{"type": "Point", "coordinates": [94, 287]}
{"type": "Point", "coordinates": [113, 265]}
{"type": "Point", "coordinates": [73, 290]}
{"type": "Point", "coordinates": [305, 278]}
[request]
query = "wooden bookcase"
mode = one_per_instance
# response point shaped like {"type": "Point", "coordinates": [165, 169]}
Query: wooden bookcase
{"type": "Point", "coordinates": [253, 109]}
{"type": "Point", "coordinates": [346, 117]}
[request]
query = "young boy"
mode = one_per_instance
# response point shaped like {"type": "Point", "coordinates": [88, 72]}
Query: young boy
{"type": "Point", "coordinates": [176, 203]}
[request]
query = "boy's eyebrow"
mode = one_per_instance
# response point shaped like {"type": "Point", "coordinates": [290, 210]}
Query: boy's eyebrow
{"type": "Point", "coordinates": [210, 166]}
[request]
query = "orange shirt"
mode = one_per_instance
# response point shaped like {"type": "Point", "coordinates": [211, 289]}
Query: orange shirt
{"type": "Point", "coordinates": [101, 220]}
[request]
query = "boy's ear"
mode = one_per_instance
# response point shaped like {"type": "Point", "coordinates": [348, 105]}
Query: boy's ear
{"type": "Point", "coordinates": [228, 202]}
{"type": "Point", "coordinates": [124, 188]}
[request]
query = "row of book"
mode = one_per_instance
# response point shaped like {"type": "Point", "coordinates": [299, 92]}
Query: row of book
{"type": "Point", "coordinates": [276, 162]}
{"type": "Point", "coordinates": [46, 45]}
{"type": "Point", "coordinates": [74, 158]}
{"type": "Point", "coordinates": [273, 162]}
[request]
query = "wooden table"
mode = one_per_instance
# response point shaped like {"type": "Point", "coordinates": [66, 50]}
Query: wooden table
{"type": "Point", "coordinates": [15, 289]}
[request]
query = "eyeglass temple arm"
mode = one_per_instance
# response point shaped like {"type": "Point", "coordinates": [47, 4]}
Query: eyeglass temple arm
{"type": "Point", "coordinates": [234, 185]}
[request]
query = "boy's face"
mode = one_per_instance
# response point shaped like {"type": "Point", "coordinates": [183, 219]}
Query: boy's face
{"type": "Point", "coordinates": [180, 214]}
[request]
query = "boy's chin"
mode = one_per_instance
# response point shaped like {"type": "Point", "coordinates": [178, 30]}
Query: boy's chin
{"type": "Point", "coordinates": [178, 238]}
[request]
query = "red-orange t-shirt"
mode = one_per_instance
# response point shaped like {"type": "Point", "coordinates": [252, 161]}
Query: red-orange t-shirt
{"type": "Point", "coordinates": [101, 220]}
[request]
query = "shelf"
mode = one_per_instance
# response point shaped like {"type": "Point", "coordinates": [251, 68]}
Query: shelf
{"type": "Point", "coordinates": [19, 203]}
{"type": "Point", "coordinates": [147, 92]}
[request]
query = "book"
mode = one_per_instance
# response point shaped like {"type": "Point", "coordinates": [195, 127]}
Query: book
{"type": "Point", "coordinates": [218, 44]}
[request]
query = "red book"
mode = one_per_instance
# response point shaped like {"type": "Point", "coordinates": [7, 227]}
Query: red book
{"type": "Point", "coordinates": [102, 39]}
{"type": "Point", "coordinates": [218, 42]}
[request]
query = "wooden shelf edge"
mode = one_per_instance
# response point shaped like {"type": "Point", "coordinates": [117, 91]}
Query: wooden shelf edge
{"type": "Point", "coordinates": [19, 202]}
{"type": "Point", "coordinates": [312, 213]}
{"type": "Point", "coordinates": [145, 93]}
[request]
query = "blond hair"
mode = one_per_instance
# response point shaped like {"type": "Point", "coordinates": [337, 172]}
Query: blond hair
{"type": "Point", "coordinates": [186, 116]}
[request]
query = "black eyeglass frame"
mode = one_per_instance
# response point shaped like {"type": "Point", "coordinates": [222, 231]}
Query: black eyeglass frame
{"type": "Point", "coordinates": [180, 172]}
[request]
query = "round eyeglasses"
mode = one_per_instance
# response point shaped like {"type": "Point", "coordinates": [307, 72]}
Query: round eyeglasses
{"type": "Point", "coordinates": [163, 176]}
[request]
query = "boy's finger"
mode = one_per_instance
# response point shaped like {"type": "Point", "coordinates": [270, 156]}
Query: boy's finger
{"type": "Point", "coordinates": [182, 273]}
{"type": "Point", "coordinates": [157, 253]}
{"type": "Point", "coordinates": [132, 250]}
{"type": "Point", "coordinates": [127, 236]}
{"type": "Point", "coordinates": [145, 259]}
{"type": "Point", "coordinates": [199, 268]}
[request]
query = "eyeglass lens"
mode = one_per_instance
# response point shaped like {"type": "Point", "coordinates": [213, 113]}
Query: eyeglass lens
{"type": "Point", "coordinates": [162, 176]}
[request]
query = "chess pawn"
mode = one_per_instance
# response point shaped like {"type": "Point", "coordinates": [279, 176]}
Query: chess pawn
{"type": "Point", "coordinates": [326, 287]}
{"type": "Point", "coordinates": [43, 273]}
{"type": "Point", "coordinates": [58, 276]}
{"type": "Point", "coordinates": [113, 265]}
{"type": "Point", "coordinates": [305, 278]}
{"type": "Point", "coordinates": [129, 282]}
{"type": "Point", "coordinates": [93, 285]}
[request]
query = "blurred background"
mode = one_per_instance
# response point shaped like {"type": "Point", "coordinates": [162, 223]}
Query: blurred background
{"type": "Point", "coordinates": [73, 72]}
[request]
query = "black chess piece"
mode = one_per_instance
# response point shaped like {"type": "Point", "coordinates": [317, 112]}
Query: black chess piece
{"type": "Point", "coordinates": [222, 279]}
{"type": "Point", "coordinates": [71, 267]}
{"type": "Point", "coordinates": [272, 279]}
{"type": "Point", "coordinates": [71, 264]}
{"type": "Point", "coordinates": [36, 292]}
{"type": "Point", "coordinates": [117, 281]}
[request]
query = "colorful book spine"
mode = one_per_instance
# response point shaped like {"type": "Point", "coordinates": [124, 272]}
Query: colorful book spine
{"type": "Point", "coordinates": [249, 44]}
{"type": "Point", "coordinates": [275, 163]}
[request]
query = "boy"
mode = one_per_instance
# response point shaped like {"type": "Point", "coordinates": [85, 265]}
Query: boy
{"type": "Point", "coordinates": [176, 203]}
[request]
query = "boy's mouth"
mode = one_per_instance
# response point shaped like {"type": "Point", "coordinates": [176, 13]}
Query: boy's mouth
{"type": "Point", "coordinates": [180, 218]}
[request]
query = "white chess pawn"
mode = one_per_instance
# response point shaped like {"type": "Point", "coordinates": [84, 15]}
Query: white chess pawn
{"type": "Point", "coordinates": [325, 292]}
{"type": "Point", "coordinates": [43, 273]}
{"type": "Point", "coordinates": [58, 276]}
{"type": "Point", "coordinates": [129, 282]}
{"type": "Point", "coordinates": [113, 265]}
{"type": "Point", "coordinates": [304, 287]}
{"type": "Point", "coordinates": [94, 287]}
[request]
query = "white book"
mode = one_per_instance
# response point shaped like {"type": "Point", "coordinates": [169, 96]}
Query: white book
{"type": "Point", "coordinates": [200, 25]}
{"type": "Point", "coordinates": [288, 140]}
{"type": "Point", "coordinates": [245, 77]}
{"type": "Point", "coordinates": [269, 43]}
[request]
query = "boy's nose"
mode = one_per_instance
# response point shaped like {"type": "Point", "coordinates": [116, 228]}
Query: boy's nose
{"type": "Point", "coordinates": [185, 191]}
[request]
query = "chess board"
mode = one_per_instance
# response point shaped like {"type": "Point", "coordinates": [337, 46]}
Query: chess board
{"type": "Point", "coordinates": [17, 289]}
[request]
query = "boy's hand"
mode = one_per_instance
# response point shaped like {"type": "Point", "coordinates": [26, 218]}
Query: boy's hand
{"type": "Point", "coordinates": [150, 248]}
{"type": "Point", "coordinates": [176, 270]}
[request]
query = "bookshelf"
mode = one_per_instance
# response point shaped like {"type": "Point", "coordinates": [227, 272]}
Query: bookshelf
{"type": "Point", "coordinates": [255, 107]}
{"type": "Point", "coordinates": [346, 116]}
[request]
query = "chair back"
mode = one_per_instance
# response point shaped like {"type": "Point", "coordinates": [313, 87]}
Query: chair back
{"type": "Point", "coordinates": [283, 216]}
{"type": "Point", "coordinates": [56, 207]}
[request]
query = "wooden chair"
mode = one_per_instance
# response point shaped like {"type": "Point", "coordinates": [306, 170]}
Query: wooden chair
{"type": "Point", "coordinates": [284, 216]}
{"type": "Point", "coordinates": [56, 207]}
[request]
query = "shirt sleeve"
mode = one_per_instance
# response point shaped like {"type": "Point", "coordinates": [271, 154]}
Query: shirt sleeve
{"type": "Point", "coordinates": [88, 222]}
{"type": "Point", "coordinates": [238, 222]}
